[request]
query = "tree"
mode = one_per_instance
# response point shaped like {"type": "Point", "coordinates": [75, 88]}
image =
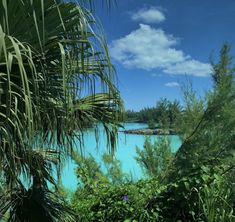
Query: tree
{"type": "Point", "coordinates": [89, 173]}
{"type": "Point", "coordinates": [222, 71]}
{"type": "Point", "coordinates": [51, 63]}
{"type": "Point", "coordinates": [155, 157]}
{"type": "Point", "coordinates": [92, 176]}
{"type": "Point", "coordinates": [164, 114]}
{"type": "Point", "coordinates": [205, 160]}
{"type": "Point", "coordinates": [174, 110]}
{"type": "Point", "coordinates": [200, 178]}
{"type": "Point", "coordinates": [114, 169]}
{"type": "Point", "coordinates": [192, 112]}
{"type": "Point", "coordinates": [211, 123]}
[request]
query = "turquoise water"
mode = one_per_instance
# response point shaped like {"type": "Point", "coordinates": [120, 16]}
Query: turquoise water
{"type": "Point", "coordinates": [125, 152]}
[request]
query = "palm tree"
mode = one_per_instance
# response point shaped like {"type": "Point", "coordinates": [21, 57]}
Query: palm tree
{"type": "Point", "coordinates": [55, 78]}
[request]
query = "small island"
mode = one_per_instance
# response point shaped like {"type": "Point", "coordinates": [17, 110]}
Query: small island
{"type": "Point", "coordinates": [148, 131]}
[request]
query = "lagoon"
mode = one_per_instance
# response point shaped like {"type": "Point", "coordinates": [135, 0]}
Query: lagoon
{"type": "Point", "coordinates": [125, 152]}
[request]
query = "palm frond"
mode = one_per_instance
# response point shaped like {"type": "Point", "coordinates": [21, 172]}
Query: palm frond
{"type": "Point", "coordinates": [35, 204]}
{"type": "Point", "coordinates": [55, 77]}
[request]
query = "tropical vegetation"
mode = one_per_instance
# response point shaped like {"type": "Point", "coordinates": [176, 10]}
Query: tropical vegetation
{"type": "Point", "coordinates": [51, 61]}
{"type": "Point", "coordinates": [57, 80]}
{"type": "Point", "coordinates": [194, 184]}
{"type": "Point", "coordinates": [164, 114]}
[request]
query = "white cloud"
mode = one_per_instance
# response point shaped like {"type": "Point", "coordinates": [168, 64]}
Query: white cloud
{"type": "Point", "coordinates": [151, 15]}
{"type": "Point", "coordinates": [188, 67]}
{"type": "Point", "coordinates": [150, 48]}
{"type": "Point", "coordinates": [172, 84]}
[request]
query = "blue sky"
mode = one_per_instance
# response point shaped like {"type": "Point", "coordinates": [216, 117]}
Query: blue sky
{"type": "Point", "coordinates": [157, 45]}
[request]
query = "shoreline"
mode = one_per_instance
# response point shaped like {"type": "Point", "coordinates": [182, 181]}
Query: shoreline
{"type": "Point", "coordinates": [147, 131]}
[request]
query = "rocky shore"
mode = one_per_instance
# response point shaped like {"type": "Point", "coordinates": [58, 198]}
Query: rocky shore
{"type": "Point", "coordinates": [147, 131]}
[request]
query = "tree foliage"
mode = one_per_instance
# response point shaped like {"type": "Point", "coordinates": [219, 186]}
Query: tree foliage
{"type": "Point", "coordinates": [207, 152]}
{"type": "Point", "coordinates": [155, 157]}
{"type": "Point", "coordinates": [198, 184]}
{"type": "Point", "coordinates": [51, 62]}
{"type": "Point", "coordinates": [164, 114]}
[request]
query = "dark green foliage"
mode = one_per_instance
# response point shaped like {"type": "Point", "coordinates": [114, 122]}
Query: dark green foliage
{"type": "Point", "coordinates": [223, 70]}
{"type": "Point", "coordinates": [193, 198]}
{"type": "Point", "coordinates": [118, 203]}
{"type": "Point", "coordinates": [35, 204]}
{"type": "Point", "coordinates": [209, 144]}
{"type": "Point", "coordinates": [114, 170]}
{"type": "Point", "coordinates": [51, 61]}
{"type": "Point", "coordinates": [131, 116]}
{"type": "Point", "coordinates": [155, 157]}
{"type": "Point", "coordinates": [191, 114]}
{"type": "Point", "coordinates": [202, 196]}
{"type": "Point", "coordinates": [151, 124]}
{"type": "Point", "coordinates": [198, 184]}
{"type": "Point", "coordinates": [164, 114]}
{"type": "Point", "coordinates": [50, 58]}
{"type": "Point", "coordinates": [210, 141]}
{"type": "Point", "coordinates": [90, 174]}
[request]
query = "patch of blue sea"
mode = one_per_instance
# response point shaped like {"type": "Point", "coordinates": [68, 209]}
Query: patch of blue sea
{"type": "Point", "coordinates": [125, 152]}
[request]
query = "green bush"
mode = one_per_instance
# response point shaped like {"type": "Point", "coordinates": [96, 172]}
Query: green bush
{"type": "Point", "coordinates": [202, 196]}
{"type": "Point", "coordinates": [197, 184]}
{"type": "Point", "coordinates": [155, 157]}
{"type": "Point", "coordinates": [119, 203]}
{"type": "Point", "coordinates": [151, 124]}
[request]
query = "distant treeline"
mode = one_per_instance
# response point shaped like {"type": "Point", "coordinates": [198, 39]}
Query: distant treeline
{"type": "Point", "coordinates": [165, 113]}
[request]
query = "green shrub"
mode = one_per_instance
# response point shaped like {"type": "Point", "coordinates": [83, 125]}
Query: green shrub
{"type": "Point", "coordinates": [155, 156]}
{"type": "Point", "coordinates": [151, 124]}
{"type": "Point", "coordinates": [119, 203]}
